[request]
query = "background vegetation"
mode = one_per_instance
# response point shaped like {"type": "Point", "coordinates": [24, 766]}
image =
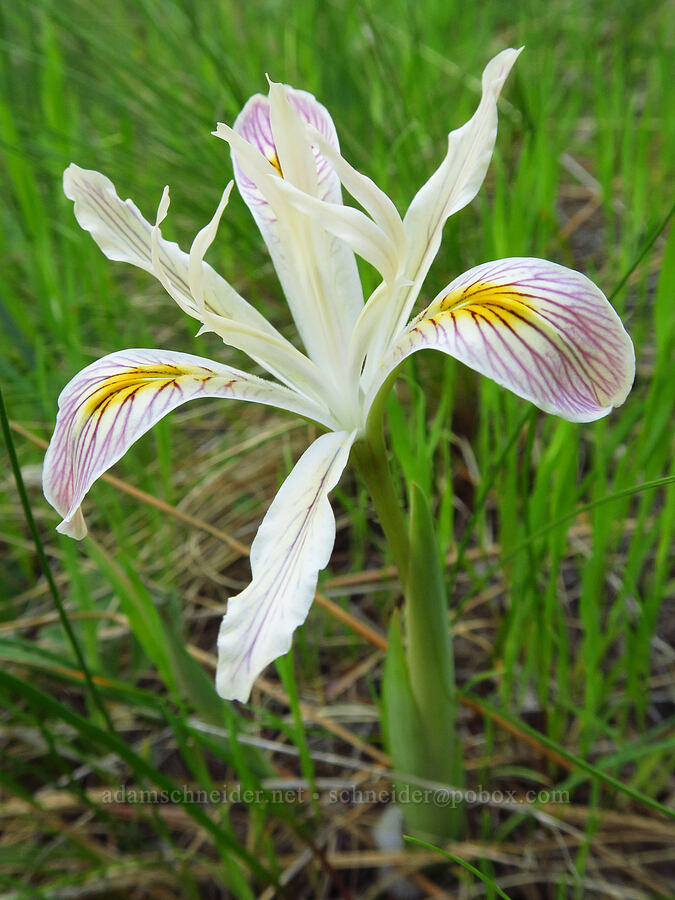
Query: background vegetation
{"type": "Point", "coordinates": [557, 538]}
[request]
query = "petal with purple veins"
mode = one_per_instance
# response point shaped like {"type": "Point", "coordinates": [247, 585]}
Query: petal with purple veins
{"type": "Point", "coordinates": [456, 181]}
{"type": "Point", "coordinates": [271, 145]}
{"type": "Point", "coordinates": [115, 400]}
{"type": "Point", "coordinates": [544, 331]}
{"type": "Point", "coordinates": [123, 234]}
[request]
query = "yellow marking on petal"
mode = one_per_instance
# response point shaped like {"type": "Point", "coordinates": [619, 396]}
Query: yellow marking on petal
{"type": "Point", "coordinates": [482, 293]}
{"type": "Point", "coordinates": [493, 303]}
{"type": "Point", "coordinates": [274, 159]}
{"type": "Point", "coordinates": [119, 387]}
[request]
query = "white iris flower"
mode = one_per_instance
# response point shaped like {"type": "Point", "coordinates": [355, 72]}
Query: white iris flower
{"type": "Point", "coordinates": [543, 331]}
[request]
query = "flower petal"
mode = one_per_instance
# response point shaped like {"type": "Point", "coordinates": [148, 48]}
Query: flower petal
{"type": "Point", "coordinates": [544, 331]}
{"type": "Point", "coordinates": [364, 190]}
{"type": "Point", "coordinates": [295, 158]}
{"type": "Point", "coordinates": [123, 234]}
{"type": "Point", "coordinates": [114, 401]}
{"type": "Point", "coordinates": [255, 126]}
{"type": "Point", "coordinates": [457, 180]}
{"type": "Point", "coordinates": [317, 270]}
{"type": "Point", "coordinates": [352, 226]}
{"type": "Point", "coordinates": [293, 543]}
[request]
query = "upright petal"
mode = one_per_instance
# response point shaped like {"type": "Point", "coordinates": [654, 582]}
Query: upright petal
{"type": "Point", "coordinates": [254, 125]}
{"type": "Point", "coordinates": [296, 159]}
{"type": "Point", "coordinates": [364, 190]}
{"type": "Point", "coordinates": [115, 400]}
{"type": "Point", "coordinates": [352, 226]}
{"type": "Point", "coordinates": [544, 331]}
{"type": "Point", "coordinates": [317, 270]}
{"type": "Point", "coordinates": [457, 180]}
{"type": "Point", "coordinates": [293, 543]}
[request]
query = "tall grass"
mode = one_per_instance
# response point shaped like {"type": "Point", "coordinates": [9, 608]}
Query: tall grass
{"type": "Point", "coordinates": [558, 540]}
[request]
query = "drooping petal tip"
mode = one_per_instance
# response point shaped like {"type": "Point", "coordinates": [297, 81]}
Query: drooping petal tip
{"type": "Point", "coordinates": [497, 70]}
{"type": "Point", "coordinates": [123, 234]}
{"type": "Point", "coordinates": [74, 526]}
{"type": "Point", "coordinates": [111, 403]}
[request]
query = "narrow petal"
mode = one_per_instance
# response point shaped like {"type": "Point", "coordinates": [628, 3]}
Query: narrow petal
{"type": "Point", "coordinates": [272, 351]}
{"type": "Point", "coordinates": [293, 544]}
{"type": "Point", "coordinates": [364, 190]}
{"type": "Point", "coordinates": [115, 400]}
{"type": "Point", "coordinates": [303, 257]}
{"type": "Point", "coordinates": [254, 125]}
{"type": "Point", "coordinates": [124, 234]}
{"type": "Point", "coordinates": [352, 226]}
{"type": "Point", "coordinates": [200, 245]}
{"type": "Point", "coordinates": [544, 331]}
{"type": "Point", "coordinates": [457, 180]}
{"type": "Point", "coordinates": [296, 161]}
{"type": "Point", "coordinates": [371, 334]}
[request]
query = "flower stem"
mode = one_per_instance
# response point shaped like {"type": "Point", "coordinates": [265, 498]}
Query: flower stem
{"type": "Point", "coordinates": [419, 693]}
{"type": "Point", "coordinates": [370, 458]}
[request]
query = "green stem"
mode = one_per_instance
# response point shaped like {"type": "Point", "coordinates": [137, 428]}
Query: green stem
{"type": "Point", "coordinates": [430, 665]}
{"type": "Point", "coordinates": [419, 691]}
{"type": "Point", "coordinates": [370, 458]}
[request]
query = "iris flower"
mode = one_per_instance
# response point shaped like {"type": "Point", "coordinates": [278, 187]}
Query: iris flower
{"type": "Point", "coordinates": [544, 331]}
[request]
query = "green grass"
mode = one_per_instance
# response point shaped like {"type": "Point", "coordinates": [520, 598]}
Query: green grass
{"type": "Point", "coordinates": [559, 536]}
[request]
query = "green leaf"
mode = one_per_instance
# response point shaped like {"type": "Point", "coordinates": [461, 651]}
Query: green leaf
{"type": "Point", "coordinates": [191, 681]}
{"type": "Point", "coordinates": [430, 657]}
{"type": "Point", "coordinates": [595, 772]}
{"type": "Point", "coordinates": [286, 669]}
{"type": "Point", "coordinates": [405, 740]}
{"type": "Point", "coordinates": [460, 862]}
{"type": "Point", "coordinates": [45, 705]}
{"type": "Point", "coordinates": [137, 605]}
{"type": "Point", "coordinates": [400, 716]}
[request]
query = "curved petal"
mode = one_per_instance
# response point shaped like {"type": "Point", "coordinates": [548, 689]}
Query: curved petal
{"type": "Point", "coordinates": [293, 543]}
{"type": "Point", "coordinates": [114, 401]}
{"type": "Point", "coordinates": [364, 190]}
{"type": "Point", "coordinates": [544, 331]}
{"type": "Point", "coordinates": [457, 180]}
{"type": "Point", "coordinates": [123, 234]}
{"type": "Point", "coordinates": [254, 125]}
{"type": "Point", "coordinates": [317, 270]}
{"type": "Point", "coordinates": [352, 226]}
{"type": "Point", "coordinates": [266, 347]}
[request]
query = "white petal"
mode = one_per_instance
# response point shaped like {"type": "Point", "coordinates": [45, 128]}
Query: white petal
{"type": "Point", "coordinates": [544, 331]}
{"type": "Point", "coordinates": [254, 125]}
{"type": "Point", "coordinates": [295, 158]}
{"type": "Point", "coordinates": [200, 245]}
{"type": "Point", "coordinates": [318, 271]}
{"type": "Point", "coordinates": [272, 351]}
{"type": "Point", "coordinates": [123, 234]}
{"type": "Point", "coordinates": [350, 225]}
{"type": "Point", "coordinates": [114, 401]}
{"type": "Point", "coordinates": [457, 180]}
{"type": "Point", "coordinates": [364, 190]}
{"type": "Point", "coordinates": [293, 543]}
